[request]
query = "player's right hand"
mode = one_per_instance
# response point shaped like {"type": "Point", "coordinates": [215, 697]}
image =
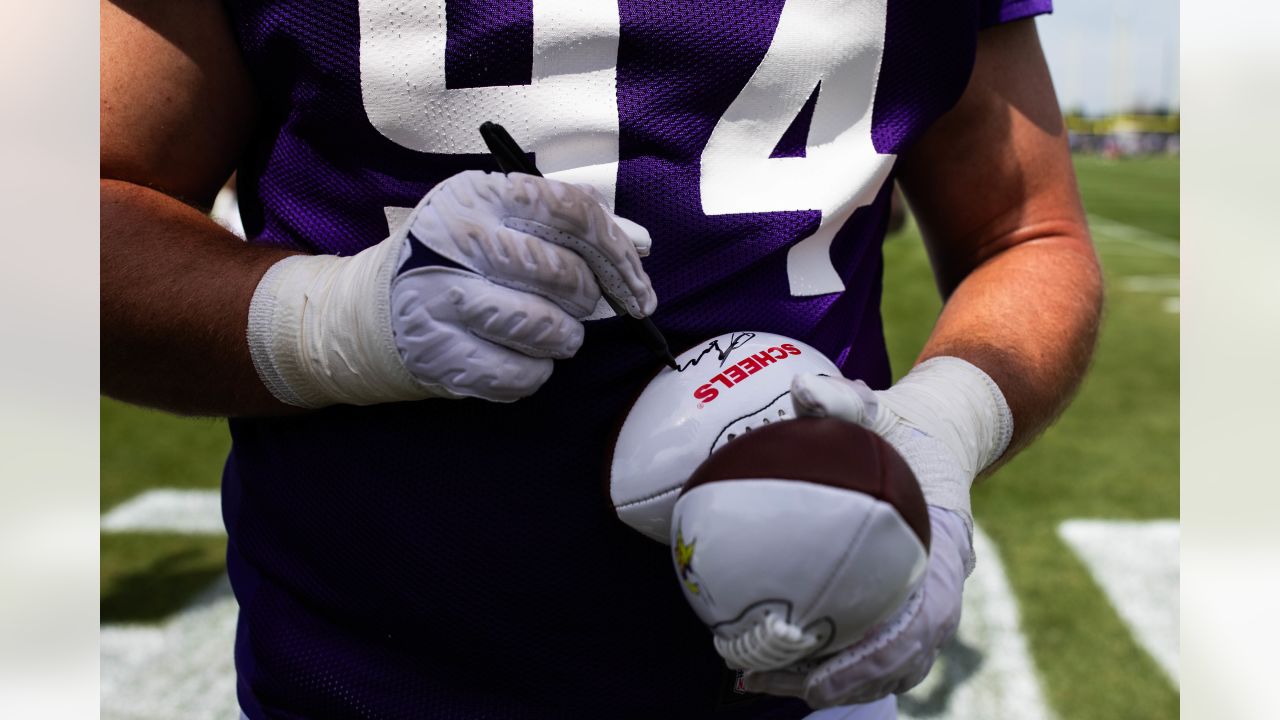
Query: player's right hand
{"type": "Point", "coordinates": [474, 295]}
{"type": "Point", "coordinates": [496, 274]}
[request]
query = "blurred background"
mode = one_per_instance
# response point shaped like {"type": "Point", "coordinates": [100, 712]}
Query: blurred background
{"type": "Point", "coordinates": [1073, 610]}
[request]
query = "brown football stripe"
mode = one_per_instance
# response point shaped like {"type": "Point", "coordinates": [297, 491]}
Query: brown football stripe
{"type": "Point", "coordinates": [824, 451]}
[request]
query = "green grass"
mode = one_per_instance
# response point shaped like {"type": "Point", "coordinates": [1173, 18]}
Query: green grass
{"type": "Point", "coordinates": [143, 449]}
{"type": "Point", "coordinates": [1135, 191]}
{"type": "Point", "coordinates": [149, 576]}
{"type": "Point", "coordinates": [1114, 454]}
{"type": "Point", "coordinates": [145, 578]}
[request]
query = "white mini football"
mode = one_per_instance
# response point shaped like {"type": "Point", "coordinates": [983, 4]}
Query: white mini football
{"type": "Point", "coordinates": [793, 541]}
{"type": "Point", "coordinates": [724, 388]}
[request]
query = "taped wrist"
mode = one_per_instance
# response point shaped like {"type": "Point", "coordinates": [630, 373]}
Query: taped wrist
{"type": "Point", "coordinates": [320, 332]}
{"type": "Point", "coordinates": [961, 407]}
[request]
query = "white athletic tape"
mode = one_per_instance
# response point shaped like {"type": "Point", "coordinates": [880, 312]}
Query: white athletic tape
{"type": "Point", "coordinates": [320, 331]}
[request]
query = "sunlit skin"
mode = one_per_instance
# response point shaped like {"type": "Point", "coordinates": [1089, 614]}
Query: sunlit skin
{"type": "Point", "coordinates": [990, 184]}
{"type": "Point", "coordinates": [992, 188]}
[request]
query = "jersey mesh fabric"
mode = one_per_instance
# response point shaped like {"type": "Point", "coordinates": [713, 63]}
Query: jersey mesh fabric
{"type": "Point", "coordinates": [460, 559]}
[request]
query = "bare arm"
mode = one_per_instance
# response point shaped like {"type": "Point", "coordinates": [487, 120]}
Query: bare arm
{"type": "Point", "coordinates": [993, 190]}
{"type": "Point", "coordinates": [176, 112]}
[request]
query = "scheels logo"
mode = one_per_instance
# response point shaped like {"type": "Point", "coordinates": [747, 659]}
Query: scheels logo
{"type": "Point", "coordinates": [744, 369]}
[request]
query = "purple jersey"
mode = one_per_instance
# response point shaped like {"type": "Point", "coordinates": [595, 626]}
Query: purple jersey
{"type": "Point", "coordinates": [461, 559]}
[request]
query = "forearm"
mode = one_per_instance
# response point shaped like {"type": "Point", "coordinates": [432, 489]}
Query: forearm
{"type": "Point", "coordinates": [994, 193]}
{"type": "Point", "coordinates": [1028, 317]}
{"type": "Point", "coordinates": [175, 293]}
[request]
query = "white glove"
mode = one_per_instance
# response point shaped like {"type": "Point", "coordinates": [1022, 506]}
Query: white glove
{"type": "Point", "coordinates": [472, 296]}
{"type": "Point", "coordinates": [897, 655]}
{"type": "Point", "coordinates": [949, 421]}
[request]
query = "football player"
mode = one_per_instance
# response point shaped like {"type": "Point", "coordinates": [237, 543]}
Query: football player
{"type": "Point", "coordinates": [420, 371]}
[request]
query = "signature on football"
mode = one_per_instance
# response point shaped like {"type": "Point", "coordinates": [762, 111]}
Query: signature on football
{"type": "Point", "coordinates": [736, 340]}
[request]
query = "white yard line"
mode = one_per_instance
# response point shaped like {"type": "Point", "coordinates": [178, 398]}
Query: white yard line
{"type": "Point", "coordinates": [1151, 284]}
{"type": "Point", "coordinates": [190, 512]}
{"type": "Point", "coordinates": [1155, 284]}
{"type": "Point", "coordinates": [1136, 564]}
{"type": "Point", "coordinates": [121, 649]}
{"type": "Point", "coordinates": [987, 672]}
{"type": "Point", "coordinates": [183, 668]}
{"type": "Point", "coordinates": [1106, 229]}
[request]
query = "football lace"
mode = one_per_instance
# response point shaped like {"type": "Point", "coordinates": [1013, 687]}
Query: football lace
{"type": "Point", "coordinates": [763, 421]}
{"type": "Point", "coordinates": [769, 644]}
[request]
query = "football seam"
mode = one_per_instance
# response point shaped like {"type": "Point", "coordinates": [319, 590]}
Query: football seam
{"type": "Point", "coordinates": [833, 570]}
{"type": "Point", "coordinates": [649, 498]}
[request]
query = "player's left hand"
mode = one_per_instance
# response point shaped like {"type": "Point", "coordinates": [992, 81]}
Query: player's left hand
{"type": "Point", "coordinates": [897, 655]}
{"type": "Point", "coordinates": [949, 421]}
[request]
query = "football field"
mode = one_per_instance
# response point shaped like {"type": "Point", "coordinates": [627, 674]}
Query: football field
{"type": "Point", "coordinates": [1071, 613]}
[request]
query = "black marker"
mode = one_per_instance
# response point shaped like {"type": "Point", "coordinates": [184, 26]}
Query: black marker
{"type": "Point", "coordinates": [512, 159]}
